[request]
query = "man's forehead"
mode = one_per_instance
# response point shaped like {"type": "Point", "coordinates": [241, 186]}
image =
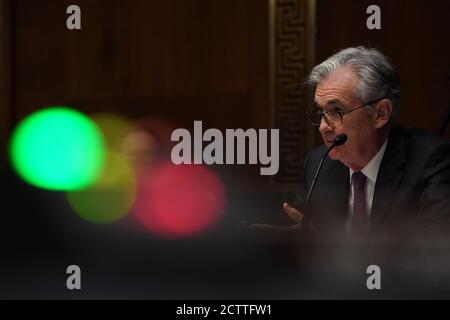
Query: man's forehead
{"type": "Point", "coordinates": [333, 99]}
{"type": "Point", "coordinates": [331, 102]}
{"type": "Point", "coordinates": [330, 94]}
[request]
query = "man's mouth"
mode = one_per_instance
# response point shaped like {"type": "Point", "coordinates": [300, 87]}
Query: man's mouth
{"type": "Point", "coordinates": [328, 140]}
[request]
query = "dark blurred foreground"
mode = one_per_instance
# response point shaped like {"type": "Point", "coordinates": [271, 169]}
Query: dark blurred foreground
{"type": "Point", "coordinates": [41, 237]}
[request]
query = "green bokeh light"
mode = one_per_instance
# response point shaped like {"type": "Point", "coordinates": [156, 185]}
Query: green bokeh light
{"type": "Point", "coordinates": [111, 197]}
{"type": "Point", "coordinates": [58, 149]}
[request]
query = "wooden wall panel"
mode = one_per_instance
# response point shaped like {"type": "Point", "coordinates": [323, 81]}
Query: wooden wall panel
{"type": "Point", "coordinates": [5, 77]}
{"type": "Point", "coordinates": [186, 60]}
{"type": "Point", "coordinates": [39, 55]}
{"type": "Point", "coordinates": [292, 57]}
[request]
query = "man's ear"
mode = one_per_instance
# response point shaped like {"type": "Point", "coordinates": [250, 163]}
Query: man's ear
{"type": "Point", "coordinates": [382, 112]}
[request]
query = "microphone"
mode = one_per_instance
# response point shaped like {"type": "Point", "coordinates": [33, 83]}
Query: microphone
{"type": "Point", "coordinates": [339, 140]}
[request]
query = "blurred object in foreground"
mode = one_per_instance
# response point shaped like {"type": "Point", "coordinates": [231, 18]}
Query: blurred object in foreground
{"type": "Point", "coordinates": [110, 198]}
{"type": "Point", "coordinates": [114, 128]}
{"type": "Point", "coordinates": [179, 201]}
{"type": "Point", "coordinates": [58, 149]}
{"type": "Point", "coordinates": [148, 144]}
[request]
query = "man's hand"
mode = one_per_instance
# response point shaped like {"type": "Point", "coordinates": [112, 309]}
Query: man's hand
{"type": "Point", "coordinates": [293, 213]}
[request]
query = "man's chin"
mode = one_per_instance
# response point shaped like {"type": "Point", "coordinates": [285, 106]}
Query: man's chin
{"type": "Point", "coordinates": [334, 154]}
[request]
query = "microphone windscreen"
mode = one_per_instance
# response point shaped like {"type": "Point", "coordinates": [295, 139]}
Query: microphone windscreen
{"type": "Point", "coordinates": [340, 139]}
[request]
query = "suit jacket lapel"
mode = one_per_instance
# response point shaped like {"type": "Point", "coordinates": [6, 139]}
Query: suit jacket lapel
{"type": "Point", "coordinates": [389, 175]}
{"type": "Point", "coordinates": [331, 199]}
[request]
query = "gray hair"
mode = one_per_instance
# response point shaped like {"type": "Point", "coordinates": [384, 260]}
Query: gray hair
{"type": "Point", "coordinates": [377, 75]}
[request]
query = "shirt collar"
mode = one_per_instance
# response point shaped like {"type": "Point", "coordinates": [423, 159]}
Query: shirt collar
{"type": "Point", "coordinates": [371, 169]}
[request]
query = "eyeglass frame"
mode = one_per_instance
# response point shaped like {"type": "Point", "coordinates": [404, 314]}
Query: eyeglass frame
{"type": "Point", "coordinates": [340, 113]}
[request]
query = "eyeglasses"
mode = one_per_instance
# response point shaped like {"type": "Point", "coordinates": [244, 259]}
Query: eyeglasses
{"type": "Point", "coordinates": [333, 118]}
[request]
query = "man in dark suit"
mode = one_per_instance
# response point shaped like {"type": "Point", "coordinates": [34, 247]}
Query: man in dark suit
{"type": "Point", "coordinates": [411, 196]}
{"type": "Point", "coordinates": [384, 182]}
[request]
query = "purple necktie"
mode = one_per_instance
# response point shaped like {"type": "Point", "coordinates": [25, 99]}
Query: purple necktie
{"type": "Point", "coordinates": [359, 202]}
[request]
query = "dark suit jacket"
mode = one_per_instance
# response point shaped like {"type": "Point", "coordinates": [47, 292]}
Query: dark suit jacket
{"type": "Point", "coordinates": [412, 192]}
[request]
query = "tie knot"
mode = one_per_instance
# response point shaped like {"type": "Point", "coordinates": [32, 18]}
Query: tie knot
{"type": "Point", "coordinates": [358, 180]}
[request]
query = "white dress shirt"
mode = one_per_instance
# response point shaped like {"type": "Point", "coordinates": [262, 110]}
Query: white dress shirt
{"type": "Point", "coordinates": [371, 172]}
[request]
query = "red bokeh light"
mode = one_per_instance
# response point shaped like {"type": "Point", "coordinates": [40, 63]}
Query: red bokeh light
{"type": "Point", "coordinates": [179, 200]}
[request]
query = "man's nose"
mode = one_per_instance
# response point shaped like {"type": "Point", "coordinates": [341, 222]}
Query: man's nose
{"type": "Point", "coordinates": [324, 126]}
